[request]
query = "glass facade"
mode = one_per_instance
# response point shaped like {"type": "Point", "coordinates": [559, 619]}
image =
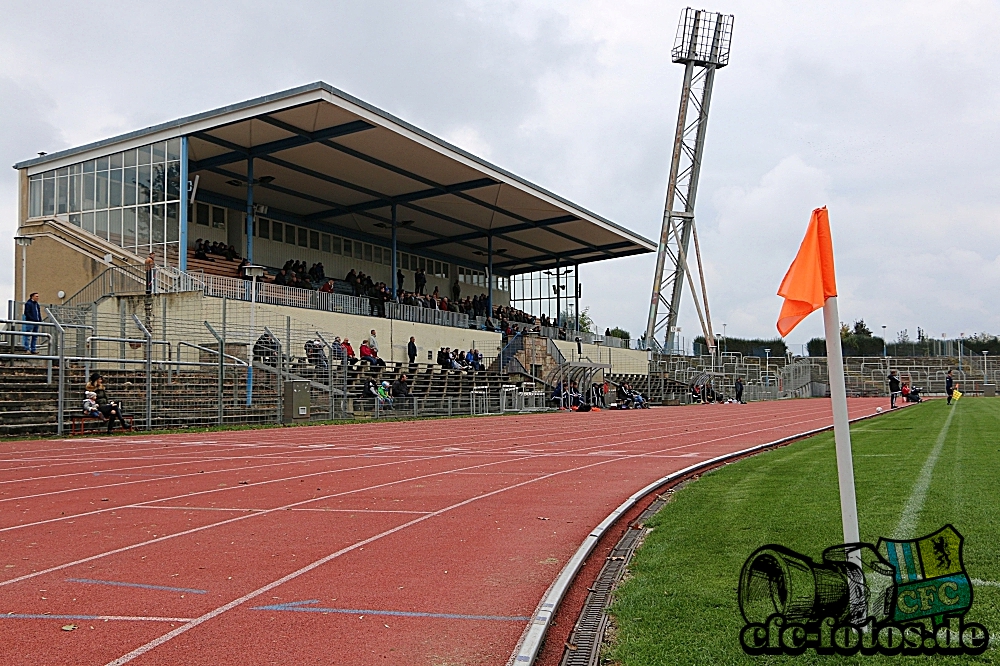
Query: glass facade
{"type": "Point", "coordinates": [535, 293]}
{"type": "Point", "coordinates": [131, 198]}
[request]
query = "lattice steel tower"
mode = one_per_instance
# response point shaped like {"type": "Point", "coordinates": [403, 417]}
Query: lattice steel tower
{"type": "Point", "coordinates": [702, 45]}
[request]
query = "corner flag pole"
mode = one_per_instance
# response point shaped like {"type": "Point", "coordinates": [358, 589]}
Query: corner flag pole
{"type": "Point", "coordinates": [841, 426]}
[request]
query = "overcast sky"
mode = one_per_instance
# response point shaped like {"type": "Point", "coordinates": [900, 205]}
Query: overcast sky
{"type": "Point", "coordinates": [886, 112]}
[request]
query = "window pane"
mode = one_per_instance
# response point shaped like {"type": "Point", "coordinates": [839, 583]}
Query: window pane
{"type": "Point", "coordinates": [48, 196]}
{"type": "Point", "coordinates": [173, 181]}
{"type": "Point", "coordinates": [378, 255]}
{"type": "Point", "coordinates": [348, 248]}
{"type": "Point", "coordinates": [131, 177]}
{"type": "Point", "coordinates": [62, 194]}
{"type": "Point", "coordinates": [218, 217]}
{"type": "Point", "coordinates": [314, 240]}
{"type": "Point", "coordinates": [89, 167]}
{"type": "Point", "coordinates": [325, 243]}
{"type": "Point", "coordinates": [145, 153]}
{"type": "Point", "coordinates": [334, 245]}
{"type": "Point", "coordinates": [201, 214]}
{"type": "Point", "coordinates": [159, 182]}
{"type": "Point", "coordinates": [404, 261]}
{"type": "Point", "coordinates": [276, 231]}
{"type": "Point", "coordinates": [445, 266]}
{"type": "Point", "coordinates": [387, 257]}
{"type": "Point", "coordinates": [357, 250]}
{"type": "Point", "coordinates": [159, 152]}
{"type": "Point", "coordinates": [88, 222]}
{"type": "Point", "coordinates": [101, 224]}
{"type": "Point", "coordinates": [142, 225]}
{"type": "Point", "coordinates": [74, 219]}
{"type": "Point", "coordinates": [437, 268]}
{"type": "Point", "coordinates": [423, 264]}
{"type": "Point", "coordinates": [101, 197]}
{"type": "Point", "coordinates": [144, 185]}
{"type": "Point", "coordinates": [116, 161]}
{"type": "Point", "coordinates": [173, 223]}
{"type": "Point", "coordinates": [368, 252]}
{"type": "Point", "coordinates": [130, 158]}
{"type": "Point", "coordinates": [35, 196]}
{"type": "Point", "coordinates": [115, 193]}
{"type": "Point", "coordinates": [290, 234]}
{"type": "Point", "coordinates": [115, 226]}
{"type": "Point", "coordinates": [174, 149]}
{"type": "Point", "coordinates": [303, 237]}
{"type": "Point", "coordinates": [157, 232]}
{"type": "Point", "coordinates": [263, 227]}
{"type": "Point", "coordinates": [128, 227]}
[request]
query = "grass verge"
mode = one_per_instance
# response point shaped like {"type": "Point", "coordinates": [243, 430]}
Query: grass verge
{"type": "Point", "coordinates": [679, 602]}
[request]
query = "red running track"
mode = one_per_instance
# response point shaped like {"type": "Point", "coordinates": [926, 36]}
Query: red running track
{"type": "Point", "coordinates": [387, 543]}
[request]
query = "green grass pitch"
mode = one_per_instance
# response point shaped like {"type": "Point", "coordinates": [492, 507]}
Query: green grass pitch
{"type": "Point", "coordinates": [679, 602]}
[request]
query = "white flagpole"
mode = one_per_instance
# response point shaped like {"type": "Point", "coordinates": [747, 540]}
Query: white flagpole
{"type": "Point", "coordinates": [841, 426]}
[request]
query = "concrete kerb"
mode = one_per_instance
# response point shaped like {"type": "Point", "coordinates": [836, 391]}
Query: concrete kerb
{"type": "Point", "coordinates": [531, 640]}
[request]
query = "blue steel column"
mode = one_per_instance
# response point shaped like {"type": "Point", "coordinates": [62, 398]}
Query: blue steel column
{"type": "Point", "coordinates": [253, 282]}
{"type": "Point", "coordinates": [489, 274]}
{"type": "Point", "coordinates": [249, 230]}
{"type": "Point", "coordinates": [182, 251]}
{"type": "Point", "coordinates": [394, 293]}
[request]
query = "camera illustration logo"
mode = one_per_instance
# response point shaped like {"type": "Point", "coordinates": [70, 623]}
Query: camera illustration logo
{"type": "Point", "coordinates": [896, 597]}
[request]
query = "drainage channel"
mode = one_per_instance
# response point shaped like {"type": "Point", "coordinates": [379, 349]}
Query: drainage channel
{"type": "Point", "coordinates": [584, 645]}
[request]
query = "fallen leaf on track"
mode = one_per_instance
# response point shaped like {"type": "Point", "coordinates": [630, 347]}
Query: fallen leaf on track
{"type": "Point", "coordinates": [69, 627]}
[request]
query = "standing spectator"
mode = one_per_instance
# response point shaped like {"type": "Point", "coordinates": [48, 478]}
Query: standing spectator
{"type": "Point", "coordinates": [32, 312]}
{"type": "Point", "coordinates": [399, 281]}
{"type": "Point", "coordinates": [420, 281]}
{"type": "Point", "coordinates": [893, 388]}
{"type": "Point", "coordinates": [738, 388]}
{"type": "Point", "coordinates": [949, 386]}
{"type": "Point", "coordinates": [150, 265]}
{"type": "Point", "coordinates": [373, 342]}
{"type": "Point", "coordinates": [411, 350]}
{"type": "Point", "coordinates": [456, 290]}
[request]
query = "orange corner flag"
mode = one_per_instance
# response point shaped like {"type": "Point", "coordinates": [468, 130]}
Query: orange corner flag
{"type": "Point", "coordinates": [810, 279]}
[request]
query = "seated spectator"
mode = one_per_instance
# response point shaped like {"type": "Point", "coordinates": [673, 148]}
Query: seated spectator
{"type": "Point", "coordinates": [231, 253]}
{"type": "Point", "coordinates": [370, 390]}
{"type": "Point", "coordinates": [400, 388]}
{"type": "Point", "coordinates": [282, 277]}
{"type": "Point", "coordinates": [90, 406]}
{"type": "Point", "coordinates": [267, 350]}
{"type": "Point", "coordinates": [623, 396]}
{"type": "Point", "coordinates": [349, 352]}
{"type": "Point", "coordinates": [316, 355]}
{"type": "Point", "coordinates": [369, 355]}
{"type": "Point", "coordinates": [200, 249]}
{"type": "Point", "coordinates": [327, 287]}
{"type": "Point", "coordinates": [385, 400]}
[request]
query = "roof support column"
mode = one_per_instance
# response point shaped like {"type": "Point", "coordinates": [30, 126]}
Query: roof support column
{"type": "Point", "coordinates": [182, 251]}
{"type": "Point", "coordinates": [558, 295]}
{"type": "Point", "coordinates": [489, 274]}
{"type": "Point", "coordinates": [395, 286]}
{"type": "Point", "coordinates": [249, 228]}
{"type": "Point", "coordinates": [576, 297]}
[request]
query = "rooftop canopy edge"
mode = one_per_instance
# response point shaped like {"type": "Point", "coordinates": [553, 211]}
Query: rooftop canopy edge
{"type": "Point", "coordinates": [325, 160]}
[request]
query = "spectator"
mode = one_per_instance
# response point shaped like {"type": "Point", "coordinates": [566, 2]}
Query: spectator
{"type": "Point", "coordinates": [411, 350]}
{"type": "Point", "coordinates": [150, 264]}
{"type": "Point", "coordinates": [373, 342]}
{"type": "Point", "coordinates": [231, 253]}
{"type": "Point", "coordinates": [200, 248]}
{"type": "Point", "coordinates": [316, 355]}
{"type": "Point", "coordinates": [110, 410]}
{"type": "Point", "coordinates": [32, 312]}
{"type": "Point", "coordinates": [738, 389]}
{"type": "Point", "coordinates": [399, 280]}
{"type": "Point", "coordinates": [282, 277]}
{"type": "Point", "coordinates": [383, 394]}
{"type": "Point", "coordinates": [893, 388]}
{"type": "Point", "coordinates": [90, 407]}
{"type": "Point", "coordinates": [327, 287]}
{"type": "Point", "coordinates": [349, 352]}
{"type": "Point", "coordinates": [456, 290]}
{"type": "Point", "coordinates": [400, 388]}
{"type": "Point", "coordinates": [266, 350]}
{"type": "Point", "coordinates": [419, 281]}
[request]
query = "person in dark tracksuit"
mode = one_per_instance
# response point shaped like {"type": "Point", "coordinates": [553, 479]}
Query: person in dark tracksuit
{"type": "Point", "coordinates": [738, 388]}
{"type": "Point", "coordinates": [32, 312]}
{"type": "Point", "coordinates": [949, 386]}
{"type": "Point", "coordinates": [411, 350]}
{"type": "Point", "coordinates": [894, 388]}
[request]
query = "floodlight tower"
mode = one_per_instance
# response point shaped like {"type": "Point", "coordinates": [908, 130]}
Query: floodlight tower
{"type": "Point", "coordinates": [702, 46]}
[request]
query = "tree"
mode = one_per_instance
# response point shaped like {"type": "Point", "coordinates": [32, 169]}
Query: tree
{"type": "Point", "coordinates": [585, 322]}
{"type": "Point", "coordinates": [860, 328]}
{"type": "Point", "coordinates": [620, 333]}
{"type": "Point", "coordinates": [903, 337]}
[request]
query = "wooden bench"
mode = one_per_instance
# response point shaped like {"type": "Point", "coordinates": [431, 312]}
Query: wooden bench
{"type": "Point", "coordinates": [78, 423]}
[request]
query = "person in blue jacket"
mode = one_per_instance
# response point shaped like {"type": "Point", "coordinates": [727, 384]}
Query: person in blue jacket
{"type": "Point", "coordinates": [32, 312]}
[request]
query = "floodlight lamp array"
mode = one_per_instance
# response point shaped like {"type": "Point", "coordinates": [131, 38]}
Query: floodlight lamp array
{"type": "Point", "coordinates": [703, 38]}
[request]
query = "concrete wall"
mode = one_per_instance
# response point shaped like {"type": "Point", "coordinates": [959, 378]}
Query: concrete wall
{"type": "Point", "coordinates": [623, 361]}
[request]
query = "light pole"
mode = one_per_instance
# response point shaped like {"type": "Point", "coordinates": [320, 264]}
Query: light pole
{"type": "Point", "coordinates": [884, 347]}
{"type": "Point", "coordinates": [985, 379]}
{"type": "Point", "coordinates": [725, 346]}
{"type": "Point", "coordinates": [767, 366]}
{"type": "Point", "coordinates": [253, 272]}
{"type": "Point", "coordinates": [23, 242]}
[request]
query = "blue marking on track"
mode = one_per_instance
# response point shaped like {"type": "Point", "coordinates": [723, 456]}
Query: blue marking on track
{"type": "Point", "coordinates": [162, 588]}
{"type": "Point", "coordinates": [305, 607]}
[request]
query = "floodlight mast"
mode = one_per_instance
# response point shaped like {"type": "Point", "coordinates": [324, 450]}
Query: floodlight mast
{"type": "Point", "coordinates": [702, 45]}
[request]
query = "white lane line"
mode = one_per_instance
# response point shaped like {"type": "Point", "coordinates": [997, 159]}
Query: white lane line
{"type": "Point", "coordinates": [985, 583]}
{"type": "Point", "coordinates": [915, 504]}
{"type": "Point", "coordinates": [93, 618]}
{"type": "Point", "coordinates": [143, 649]}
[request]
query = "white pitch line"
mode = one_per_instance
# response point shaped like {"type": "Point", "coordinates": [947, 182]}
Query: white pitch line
{"type": "Point", "coordinates": [915, 504]}
{"type": "Point", "coordinates": [985, 583]}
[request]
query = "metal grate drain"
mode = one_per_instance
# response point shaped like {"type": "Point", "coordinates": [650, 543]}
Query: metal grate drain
{"type": "Point", "coordinates": [584, 645]}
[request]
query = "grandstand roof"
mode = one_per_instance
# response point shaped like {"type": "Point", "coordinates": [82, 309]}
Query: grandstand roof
{"type": "Point", "coordinates": [330, 161]}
